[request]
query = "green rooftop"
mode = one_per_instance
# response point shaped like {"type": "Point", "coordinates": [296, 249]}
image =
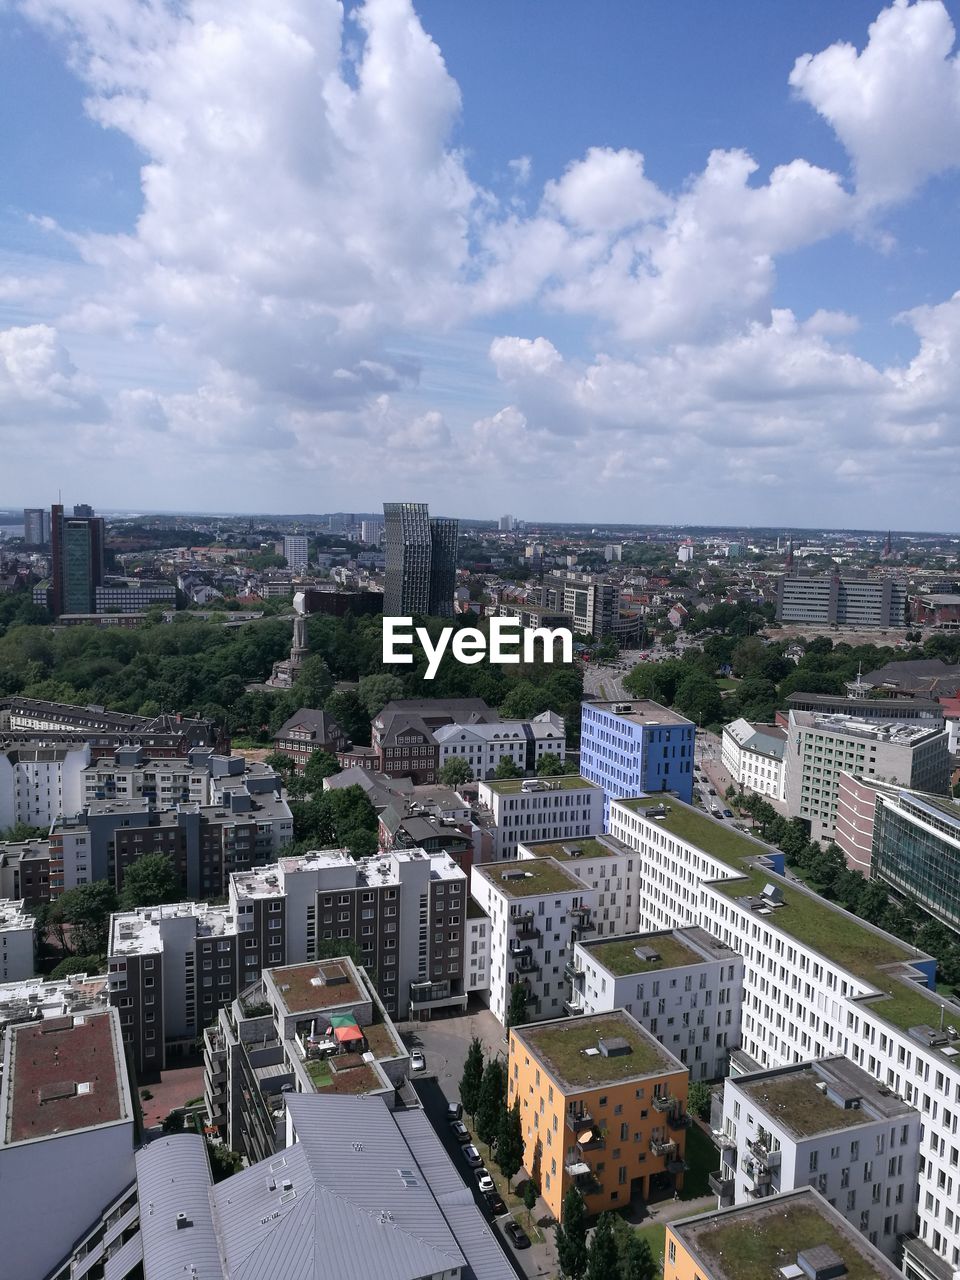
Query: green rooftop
{"type": "Point", "coordinates": [619, 955]}
{"type": "Point", "coordinates": [560, 1048]}
{"type": "Point", "coordinates": [812, 920]}
{"type": "Point", "coordinates": [753, 1242]}
{"type": "Point", "coordinates": [351, 1080]}
{"type": "Point", "coordinates": [796, 1102]}
{"type": "Point", "coordinates": [514, 786]}
{"type": "Point", "coordinates": [589, 846]}
{"type": "Point", "coordinates": [530, 877]}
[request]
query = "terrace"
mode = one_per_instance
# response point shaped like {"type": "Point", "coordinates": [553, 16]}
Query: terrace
{"type": "Point", "coordinates": [560, 1047]}
{"type": "Point", "coordinates": [303, 987]}
{"type": "Point", "coordinates": [357, 1079]}
{"type": "Point", "coordinates": [619, 955]}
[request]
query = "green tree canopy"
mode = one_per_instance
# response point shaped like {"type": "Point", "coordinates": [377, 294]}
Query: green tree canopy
{"type": "Point", "coordinates": [571, 1236]}
{"type": "Point", "coordinates": [602, 1254]}
{"type": "Point", "coordinates": [550, 766]}
{"type": "Point", "coordinates": [149, 881]}
{"type": "Point", "coordinates": [374, 692]}
{"type": "Point", "coordinates": [636, 1259]}
{"type": "Point", "coordinates": [472, 1077]}
{"type": "Point", "coordinates": [517, 1015]}
{"type": "Point", "coordinates": [455, 772]}
{"type": "Point", "coordinates": [348, 711]}
{"type": "Point", "coordinates": [491, 1102]}
{"type": "Point", "coordinates": [699, 1099]}
{"type": "Point", "coordinates": [86, 910]}
{"type": "Point", "coordinates": [510, 1141]}
{"type": "Point", "coordinates": [507, 769]}
{"type": "Point", "coordinates": [322, 764]}
{"type": "Point", "coordinates": [79, 964]}
{"type": "Point", "coordinates": [698, 698]}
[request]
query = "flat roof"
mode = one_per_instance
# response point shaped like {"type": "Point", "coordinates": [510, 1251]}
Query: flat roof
{"type": "Point", "coordinates": [795, 1096]}
{"type": "Point", "coordinates": [876, 957]}
{"type": "Point", "coordinates": [754, 1241]}
{"type": "Point", "coordinates": [64, 1074]}
{"type": "Point", "coordinates": [578, 848]}
{"type": "Point", "coordinates": [559, 1048]}
{"type": "Point", "coordinates": [619, 955]}
{"type": "Point", "coordinates": [900, 733]}
{"type": "Point", "coordinates": [317, 985]}
{"type": "Point", "coordinates": [538, 786]}
{"type": "Point", "coordinates": [530, 877]}
{"type": "Point", "coordinates": [639, 711]}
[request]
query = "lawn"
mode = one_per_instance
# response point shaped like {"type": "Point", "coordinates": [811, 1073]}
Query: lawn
{"type": "Point", "coordinates": [560, 1049]}
{"type": "Point", "coordinates": [701, 1158]}
{"type": "Point", "coordinates": [619, 955]}
{"type": "Point", "coordinates": [655, 1237]}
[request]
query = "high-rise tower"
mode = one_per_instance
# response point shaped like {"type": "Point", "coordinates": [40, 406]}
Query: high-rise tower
{"type": "Point", "coordinates": [421, 561]}
{"type": "Point", "coordinates": [76, 553]}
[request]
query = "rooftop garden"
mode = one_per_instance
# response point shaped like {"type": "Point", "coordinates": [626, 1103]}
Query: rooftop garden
{"type": "Point", "coordinates": [589, 847]}
{"type": "Point", "coordinates": [716, 838]}
{"type": "Point", "coordinates": [619, 955]}
{"type": "Point", "coordinates": [796, 1102]}
{"type": "Point", "coordinates": [754, 1243]}
{"type": "Point", "coordinates": [530, 877]}
{"type": "Point", "coordinates": [560, 1048]}
{"type": "Point", "coordinates": [357, 1079]}
{"type": "Point", "coordinates": [514, 786]}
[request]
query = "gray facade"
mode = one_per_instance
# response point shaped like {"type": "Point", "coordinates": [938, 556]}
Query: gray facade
{"type": "Point", "coordinates": [421, 561]}
{"type": "Point", "coordinates": [833, 600]}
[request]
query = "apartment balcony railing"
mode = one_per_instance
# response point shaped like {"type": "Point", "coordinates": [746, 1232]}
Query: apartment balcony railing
{"type": "Point", "coordinates": [579, 1120]}
{"type": "Point", "coordinates": [572, 971]}
{"type": "Point", "coordinates": [722, 1184]}
{"type": "Point", "coordinates": [665, 1102]}
{"type": "Point", "coordinates": [662, 1146]}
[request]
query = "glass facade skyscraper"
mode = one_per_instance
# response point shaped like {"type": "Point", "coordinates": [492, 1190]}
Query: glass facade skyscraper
{"type": "Point", "coordinates": [916, 849]}
{"type": "Point", "coordinates": [76, 546]}
{"type": "Point", "coordinates": [421, 561]}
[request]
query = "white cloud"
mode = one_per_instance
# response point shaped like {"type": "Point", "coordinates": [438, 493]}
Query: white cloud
{"type": "Point", "coordinates": [606, 191]}
{"type": "Point", "coordinates": [38, 381]}
{"type": "Point", "coordinates": [896, 105]}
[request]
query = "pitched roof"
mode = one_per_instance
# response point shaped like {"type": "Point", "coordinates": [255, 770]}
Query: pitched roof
{"type": "Point", "coordinates": [173, 1177]}
{"type": "Point", "coordinates": [321, 725]}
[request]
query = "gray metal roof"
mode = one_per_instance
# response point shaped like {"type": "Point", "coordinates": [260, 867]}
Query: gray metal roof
{"type": "Point", "coordinates": [347, 1200]}
{"type": "Point", "coordinates": [173, 1176]}
{"type": "Point", "coordinates": [485, 1258]}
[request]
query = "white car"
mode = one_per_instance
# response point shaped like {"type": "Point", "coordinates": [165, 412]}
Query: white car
{"type": "Point", "coordinates": [417, 1061]}
{"type": "Point", "coordinates": [485, 1182]}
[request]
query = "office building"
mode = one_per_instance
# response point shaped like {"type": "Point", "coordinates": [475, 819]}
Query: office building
{"type": "Point", "coordinates": [18, 940]}
{"type": "Point", "coordinates": [371, 532]}
{"type": "Point", "coordinates": [36, 527]}
{"type": "Point", "coordinates": [843, 601]}
{"type": "Point", "coordinates": [826, 1124]}
{"type": "Point", "coordinates": [818, 982]}
{"type": "Point", "coordinates": [309, 1028]}
{"type": "Point", "coordinates": [402, 738]}
{"type": "Point", "coordinates": [404, 911]}
{"type": "Point", "coordinates": [357, 1191]}
{"type": "Point", "coordinates": [421, 561]}
{"type": "Point", "coordinates": [131, 595]}
{"type": "Point", "coordinates": [67, 1142]}
{"type": "Point", "coordinates": [536, 907]}
{"type": "Point", "coordinates": [874, 707]}
{"type": "Point", "coordinates": [682, 985]}
{"type": "Point", "coordinates": [76, 553]}
{"type": "Point", "coordinates": [791, 1236]}
{"type": "Point", "coordinates": [819, 747]}
{"type": "Point", "coordinates": [522, 810]}
{"type": "Point", "coordinates": [296, 551]}
{"type": "Point", "coordinates": [603, 1108]}
{"type": "Point", "coordinates": [83, 511]}
{"type": "Point", "coordinates": [753, 756]}
{"type": "Point", "coordinates": [590, 604]}
{"type": "Point", "coordinates": [638, 746]}
{"type": "Point", "coordinates": [308, 731]}
{"type": "Point", "coordinates": [483, 746]}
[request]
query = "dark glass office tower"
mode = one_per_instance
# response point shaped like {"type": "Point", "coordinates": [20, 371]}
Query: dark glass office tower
{"type": "Point", "coordinates": [421, 561]}
{"type": "Point", "coordinates": [76, 547]}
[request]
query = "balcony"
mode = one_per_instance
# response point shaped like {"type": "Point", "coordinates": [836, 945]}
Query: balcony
{"type": "Point", "coordinates": [578, 1120]}
{"type": "Point", "coordinates": [572, 1005]}
{"type": "Point", "coordinates": [766, 1158]}
{"type": "Point", "coordinates": [721, 1183]}
{"type": "Point", "coordinates": [663, 1146]}
{"type": "Point", "coordinates": [678, 1119]}
{"type": "Point", "coordinates": [665, 1102]}
{"type": "Point", "coordinates": [591, 1140]}
{"type": "Point", "coordinates": [584, 1178]}
{"type": "Point", "coordinates": [571, 971]}
{"type": "Point", "coordinates": [527, 930]}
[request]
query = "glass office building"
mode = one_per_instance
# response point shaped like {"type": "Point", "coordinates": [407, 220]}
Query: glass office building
{"type": "Point", "coordinates": [916, 849]}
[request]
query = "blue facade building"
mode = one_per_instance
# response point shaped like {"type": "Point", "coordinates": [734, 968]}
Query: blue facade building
{"type": "Point", "coordinates": [631, 747]}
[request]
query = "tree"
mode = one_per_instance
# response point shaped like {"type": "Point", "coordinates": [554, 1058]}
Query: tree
{"type": "Point", "coordinates": [348, 711]}
{"type": "Point", "coordinates": [79, 964]}
{"type": "Point", "coordinates": [87, 910]}
{"type": "Point", "coordinates": [472, 1078]}
{"type": "Point", "coordinates": [698, 698]}
{"type": "Point", "coordinates": [375, 692]}
{"type": "Point", "coordinates": [21, 831]}
{"type": "Point", "coordinates": [571, 1233]}
{"type": "Point", "coordinates": [455, 772]}
{"type": "Point", "coordinates": [602, 1253]}
{"type": "Point", "coordinates": [510, 1141]}
{"type": "Point", "coordinates": [173, 1122]}
{"type": "Point", "coordinates": [550, 766]}
{"type": "Point", "coordinates": [699, 1099]}
{"type": "Point", "coordinates": [529, 1198]}
{"type": "Point", "coordinates": [223, 1162]}
{"type": "Point", "coordinates": [636, 1260]}
{"type": "Point", "coordinates": [149, 881]}
{"type": "Point", "coordinates": [320, 765]}
{"type": "Point", "coordinates": [517, 1012]}
{"type": "Point", "coordinates": [280, 762]}
{"type": "Point", "coordinates": [507, 769]}
{"type": "Point", "coordinates": [491, 1102]}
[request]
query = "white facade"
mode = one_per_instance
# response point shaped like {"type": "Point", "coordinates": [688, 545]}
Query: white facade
{"type": "Point", "coordinates": [754, 758]}
{"type": "Point", "coordinates": [476, 970]}
{"type": "Point", "coordinates": [824, 1124]}
{"type": "Point", "coordinates": [685, 988]}
{"type": "Point", "coordinates": [17, 941]}
{"type": "Point", "coordinates": [541, 809]}
{"type": "Point", "coordinates": [38, 784]}
{"type": "Point", "coordinates": [605, 864]}
{"type": "Point", "coordinates": [850, 992]}
{"type": "Point", "coordinates": [296, 551]}
{"type": "Point", "coordinates": [536, 909]}
{"type": "Point", "coordinates": [484, 745]}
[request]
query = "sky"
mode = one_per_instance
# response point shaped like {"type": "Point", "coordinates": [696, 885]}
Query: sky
{"type": "Point", "coordinates": [616, 262]}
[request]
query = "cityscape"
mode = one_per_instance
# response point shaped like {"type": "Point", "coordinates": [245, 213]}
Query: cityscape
{"type": "Point", "coordinates": [550, 867]}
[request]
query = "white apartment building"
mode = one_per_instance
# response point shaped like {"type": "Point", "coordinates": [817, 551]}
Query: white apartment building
{"type": "Point", "coordinates": [605, 864]}
{"type": "Point", "coordinates": [476, 973]}
{"type": "Point", "coordinates": [753, 756]}
{"type": "Point", "coordinates": [820, 746]}
{"type": "Point", "coordinates": [67, 1135]}
{"type": "Point", "coordinates": [536, 909]}
{"type": "Point", "coordinates": [39, 783]}
{"type": "Point", "coordinates": [129, 774]}
{"type": "Point", "coordinates": [296, 551]}
{"type": "Point", "coordinates": [529, 809]}
{"type": "Point", "coordinates": [17, 940]}
{"type": "Point", "coordinates": [817, 982]}
{"type": "Point", "coordinates": [825, 1124]}
{"type": "Point", "coordinates": [483, 746]}
{"type": "Point", "coordinates": [683, 985]}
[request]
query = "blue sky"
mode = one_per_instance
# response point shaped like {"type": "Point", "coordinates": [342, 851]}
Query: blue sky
{"type": "Point", "coordinates": [618, 261]}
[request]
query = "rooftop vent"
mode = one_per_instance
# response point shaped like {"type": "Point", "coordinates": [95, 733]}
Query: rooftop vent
{"type": "Point", "coordinates": [647, 954]}
{"type": "Point", "coordinates": [615, 1047]}
{"type": "Point", "coordinates": [408, 1177]}
{"type": "Point", "coordinates": [820, 1262]}
{"type": "Point", "coordinates": [926, 1035]}
{"type": "Point", "coordinates": [183, 1221]}
{"type": "Point", "coordinates": [772, 893]}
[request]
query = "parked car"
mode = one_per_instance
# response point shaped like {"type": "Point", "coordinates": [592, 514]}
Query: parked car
{"type": "Point", "coordinates": [516, 1234]}
{"type": "Point", "coordinates": [495, 1203]}
{"type": "Point", "coordinates": [460, 1131]}
{"type": "Point", "coordinates": [417, 1061]}
{"type": "Point", "coordinates": [728, 813]}
{"type": "Point", "coordinates": [472, 1156]}
{"type": "Point", "coordinates": [484, 1181]}
{"type": "Point", "coordinates": [454, 1111]}
{"type": "Point", "coordinates": [712, 790]}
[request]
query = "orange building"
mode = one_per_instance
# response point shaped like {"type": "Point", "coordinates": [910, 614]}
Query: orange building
{"type": "Point", "coordinates": [797, 1234]}
{"type": "Point", "coordinates": [603, 1105]}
